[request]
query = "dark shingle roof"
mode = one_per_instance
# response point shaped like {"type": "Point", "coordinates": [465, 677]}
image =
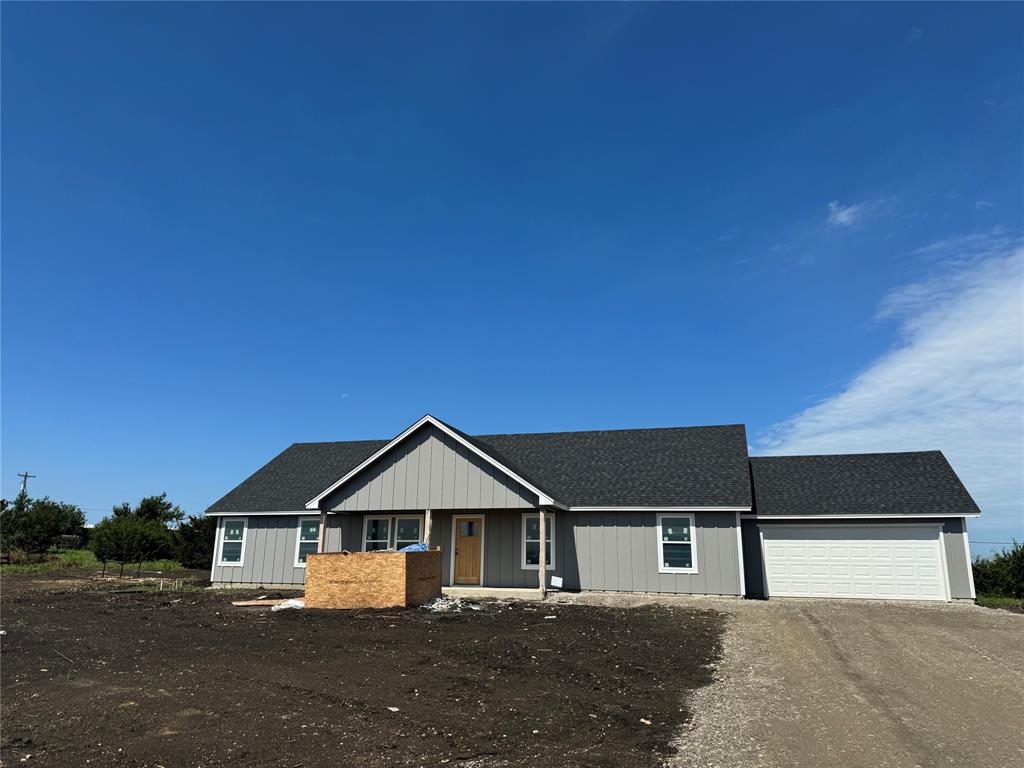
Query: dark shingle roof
{"type": "Point", "coordinates": [294, 476]}
{"type": "Point", "coordinates": [684, 466]}
{"type": "Point", "coordinates": [673, 467]}
{"type": "Point", "coordinates": [917, 483]}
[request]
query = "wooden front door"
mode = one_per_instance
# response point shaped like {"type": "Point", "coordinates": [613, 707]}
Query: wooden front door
{"type": "Point", "coordinates": [468, 542]}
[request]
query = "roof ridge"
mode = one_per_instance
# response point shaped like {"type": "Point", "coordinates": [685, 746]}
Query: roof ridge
{"type": "Point", "coordinates": [538, 434]}
{"type": "Point", "coordinates": [605, 431]}
{"type": "Point", "coordinates": [831, 455]}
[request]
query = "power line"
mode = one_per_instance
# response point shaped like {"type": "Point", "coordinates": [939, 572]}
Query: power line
{"type": "Point", "coordinates": [1007, 543]}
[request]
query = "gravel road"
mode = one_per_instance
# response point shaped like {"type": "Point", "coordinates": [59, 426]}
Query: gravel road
{"type": "Point", "coordinates": [857, 683]}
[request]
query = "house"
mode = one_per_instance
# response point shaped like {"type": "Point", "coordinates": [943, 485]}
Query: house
{"type": "Point", "coordinates": [676, 510]}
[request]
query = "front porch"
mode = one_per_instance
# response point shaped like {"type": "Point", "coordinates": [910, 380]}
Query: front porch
{"type": "Point", "coordinates": [493, 593]}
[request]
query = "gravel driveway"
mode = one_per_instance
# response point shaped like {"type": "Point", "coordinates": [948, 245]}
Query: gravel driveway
{"type": "Point", "coordinates": [813, 683]}
{"type": "Point", "coordinates": [855, 684]}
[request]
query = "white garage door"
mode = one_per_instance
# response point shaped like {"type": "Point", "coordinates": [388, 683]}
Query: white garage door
{"type": "Point", "coordinates": [875, 562]}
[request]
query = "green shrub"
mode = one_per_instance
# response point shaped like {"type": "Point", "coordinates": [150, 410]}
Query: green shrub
{"type": "Point", "coordinates": [130, 539]}
{"type": "Point", "coordinates": [194, 541]}
{"type": "Point", "coordinates": [32, 526]}
{"type": "Point", "coordinates": [1002, 573]}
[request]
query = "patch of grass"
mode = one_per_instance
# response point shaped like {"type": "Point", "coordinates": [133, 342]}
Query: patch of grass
{"type": "Point", "coordinates": [999, 601]}
{"type": "Point", "coordinates": [84, 558]}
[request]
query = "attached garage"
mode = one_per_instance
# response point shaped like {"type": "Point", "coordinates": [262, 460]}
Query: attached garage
{"type": "Point", "coordinates": [876, 526]}
{"type": "Point", "coordinates": [870, 561]}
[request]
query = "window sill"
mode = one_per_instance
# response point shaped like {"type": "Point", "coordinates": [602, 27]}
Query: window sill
{"type": "Point", "coordinates": [689, 571]}
{"type": "Point", "coordinates": [547, 567]}
{"type": "Point", "coordinates": [229, 565]}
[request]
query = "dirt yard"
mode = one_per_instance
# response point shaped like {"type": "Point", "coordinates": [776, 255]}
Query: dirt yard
{"type": "Point", "coordinates": [92, 675]}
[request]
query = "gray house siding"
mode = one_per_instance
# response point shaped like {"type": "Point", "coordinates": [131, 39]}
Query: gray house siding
{"type": "Point", "coordinates": [269, 553]}
{"type": "Point", "coordinates": [618, 551]}
{"type": "Point", "coordinates": [611, 551]}
{"type": "Point", "coordinates": [429, 469]}
{"type": "Point", "coordinates": [503, 547]}
{"type": "Point", "coordinates": [957, 563]}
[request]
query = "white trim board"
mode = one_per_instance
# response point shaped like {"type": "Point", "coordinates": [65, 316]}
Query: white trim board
{"type": "Point", "coordinates": [299, 541]}
{"type": "Point", "coordinates": [662, 568]}
{"type": "Point", "coordinates": [970, 563]}
{"type": "Point", "coordinates": [542, 498]}
{"type": "Point", "coordinates": [393, 519]}
{"type": "Point", "coordinates": [659, 509]}
{"type": "Point", "coordinates": [880, 516]}
{"type": "Point", "coordinates": [739, 551]}
{"type": "Point", "coordinates": [220, 550]}
{"type": "Point", "coordinates": [549, 525]}
{"type": "Point", "coordinates": [304, 512]}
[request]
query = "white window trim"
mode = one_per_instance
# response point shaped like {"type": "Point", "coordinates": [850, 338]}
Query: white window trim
{"type": "Point", "coordinates": [392, 527]}
{"type": "Point", "coordinates": [299, 541]}
{"type": "Point", "coordinates": [220, 544]}
{"type": "Point", "coordinates": [549, 520]}
{"type": "Point", "coordinates": [692, 542]}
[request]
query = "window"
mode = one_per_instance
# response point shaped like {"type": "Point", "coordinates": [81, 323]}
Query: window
{"type": "Point", "coordinates": [377, 534]}
{"type": "Point", "coordinates": [308, 540]}
{"type": "Point", "coordinates": [393, 532]}
{"type": "Point", "coordinates": [531, 540]}
{"type": "Point", "coordinates": [232, 542]}
{"type": "Point", "coordinates": [407, 531]}
{"type": "Point", "coordinates": [676, 539]}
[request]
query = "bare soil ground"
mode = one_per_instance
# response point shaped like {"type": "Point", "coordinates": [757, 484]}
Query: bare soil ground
{"type": "Point", "coordinates": [92, 675]}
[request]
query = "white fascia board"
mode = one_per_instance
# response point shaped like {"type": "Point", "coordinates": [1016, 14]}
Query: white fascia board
{"type": "Point", "coordinates": [659, 509]}
{"type": "Point", "coordinates": [542, 498]}
{"type": "Point", "coordinates": [304, 512]}
{"type": "Point", "coordinates": [866, 515]}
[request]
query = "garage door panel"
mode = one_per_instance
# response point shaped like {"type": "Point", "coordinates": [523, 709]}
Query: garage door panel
{"type": "Point", "coordinates": [882, 562]}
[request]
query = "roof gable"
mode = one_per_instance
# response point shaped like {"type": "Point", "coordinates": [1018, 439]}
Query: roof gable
{"type": "Point", "coordinates": [427, 422]}
{"type": "Point", "coordinates": [429, 469]}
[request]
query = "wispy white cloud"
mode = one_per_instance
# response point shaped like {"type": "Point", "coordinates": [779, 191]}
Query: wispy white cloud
{"type": "Point", "coordinates": [955, 380]}
{"type": "Point", "coordinates": [845, 216]}
{"type": "Point", "coordinates": [727, 236]}
{"type": "Point", "coordinates": [983, 205]}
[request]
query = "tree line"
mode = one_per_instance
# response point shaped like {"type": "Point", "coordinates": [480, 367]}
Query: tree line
{"type": "Point", "coordinates": [153, 529]}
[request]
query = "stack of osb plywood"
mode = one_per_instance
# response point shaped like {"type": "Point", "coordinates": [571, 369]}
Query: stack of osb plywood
{"type": "Point", "coordinates": [372, 579]}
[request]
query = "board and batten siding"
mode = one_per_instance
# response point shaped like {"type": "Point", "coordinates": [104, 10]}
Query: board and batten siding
{"type": "Point", "coordinates": [503, 547]}
{"type": "Point", "coordinates": [958, 566]}
{"type": "Point", "coordinates": [269, 554]}
{"type": "Point", "coordinates": [429, 470]}
{"type": "Point", "coordinates": [607, 551]}
{"type": "Point", "coordinates": [618, 551]}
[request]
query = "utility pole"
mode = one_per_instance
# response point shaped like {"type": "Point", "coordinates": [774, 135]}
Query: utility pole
{"type": "Point", "coordinates": [24, 480]}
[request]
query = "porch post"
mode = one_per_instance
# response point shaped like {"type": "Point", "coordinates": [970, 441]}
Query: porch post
{"type": "Point", "coordinates": [426, 528]}
{"type": "Point", "coordinates": [322, 539]}
{"type": "Point", "coordinates": [542, 559]}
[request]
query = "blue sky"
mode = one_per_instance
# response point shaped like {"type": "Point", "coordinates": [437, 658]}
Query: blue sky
{"type": "Point", "coordinates": [227, 228]}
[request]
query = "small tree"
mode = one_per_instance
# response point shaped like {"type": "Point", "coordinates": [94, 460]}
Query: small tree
{"type": "Point", "coordinates": [194, 541]}
{"type": "Point", "coordinates": [33, 525]}
{"type": "Point", "coordinates": [156, 508]}
{"type": "Point", "coordinates": [129, 539]}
